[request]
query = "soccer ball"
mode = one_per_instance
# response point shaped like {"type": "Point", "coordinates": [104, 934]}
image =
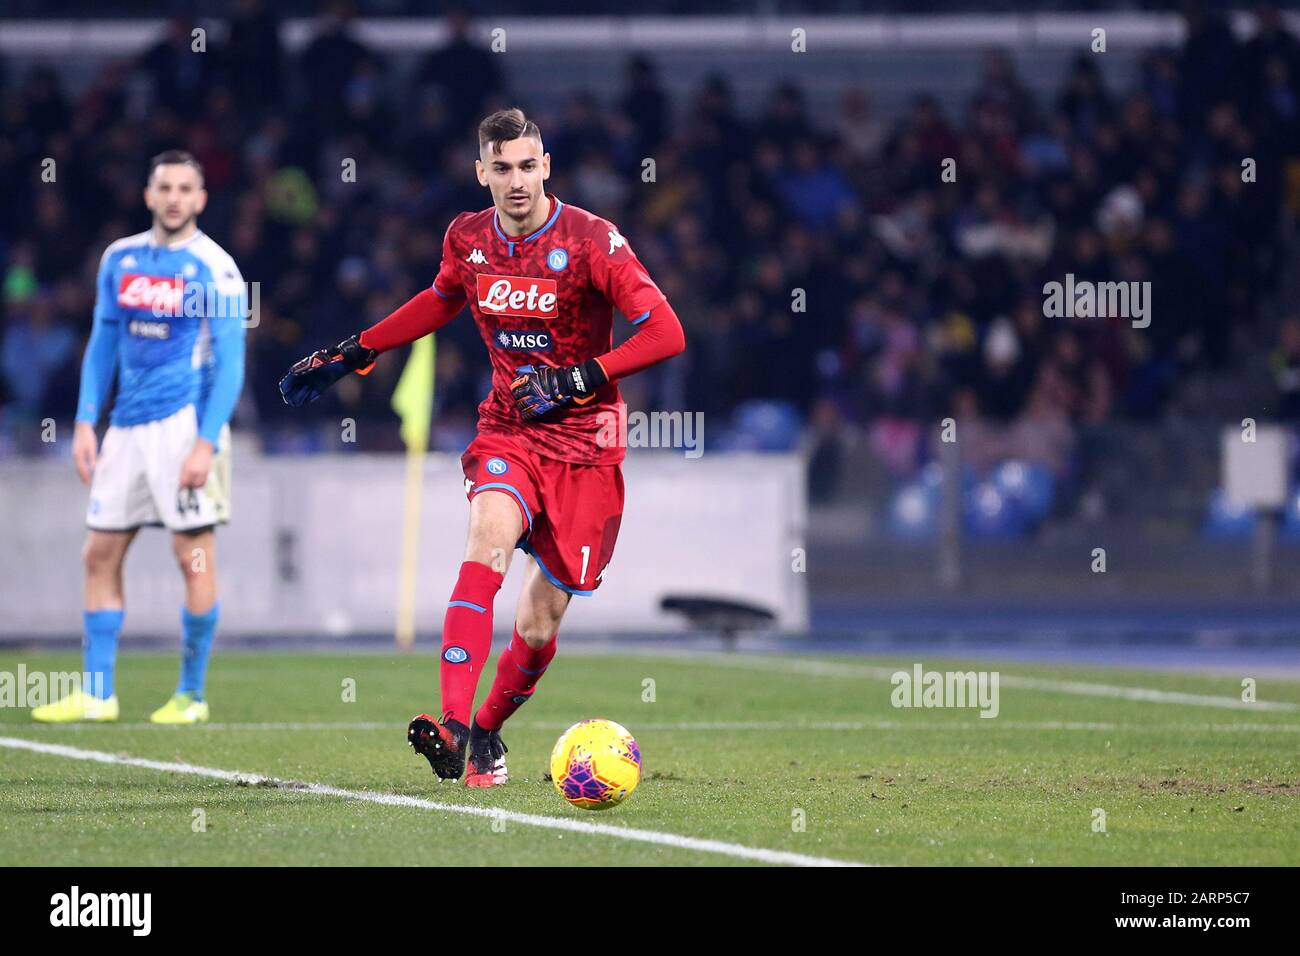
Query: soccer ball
{"type": "Point", "coordinates": [596, 764]}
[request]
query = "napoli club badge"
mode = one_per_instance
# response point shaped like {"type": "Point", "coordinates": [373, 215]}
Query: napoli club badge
{"type": "Point", "coordinates": [497, 466]}
{"type": "Point", "coordinates": [557, 259]}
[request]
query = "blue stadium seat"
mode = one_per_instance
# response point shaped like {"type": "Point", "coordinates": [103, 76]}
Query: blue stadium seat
{"type": "Point", "coordinates": [1291, 515]}
{"type": "Point", "coordinates": [914, 510]}
{"type": "Point", "coordinates": [1225, 521]}
{"type": "Point", "coordinates": [987, 512]}
{"type": "Point", "coordinates": [1029, 484]}
{"type": "Point", "coordinates": [761, 425]}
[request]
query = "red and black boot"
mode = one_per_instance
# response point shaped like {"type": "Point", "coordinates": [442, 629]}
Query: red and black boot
{"type": "Point", "coordinates": [443, 743]}
{"type": "Point", "coordinates": [487, 758]}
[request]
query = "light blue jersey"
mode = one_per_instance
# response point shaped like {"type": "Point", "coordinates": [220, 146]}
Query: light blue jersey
{"type": "Point", "coordinates": [170, 321]}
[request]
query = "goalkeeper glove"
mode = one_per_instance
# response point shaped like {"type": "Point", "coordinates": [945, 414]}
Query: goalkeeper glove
{"type": "Point", "coordinates": [308, 378]}
{"type": "Point", "coordinates": [539, 389]}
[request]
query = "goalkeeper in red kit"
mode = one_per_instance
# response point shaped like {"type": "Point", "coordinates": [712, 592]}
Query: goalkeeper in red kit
{"type": "Point", "coordinates": [542, 279]}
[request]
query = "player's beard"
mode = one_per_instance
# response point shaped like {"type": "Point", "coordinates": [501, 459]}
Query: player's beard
{"type": "Point", "coordinates": [168, 233]}
{"type": "Point", "coordinates": [519, 213]}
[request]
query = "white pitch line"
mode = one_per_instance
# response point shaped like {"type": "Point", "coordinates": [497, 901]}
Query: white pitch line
{"type": "Point", "coordinates": [711, 725]}
{"type": "Point", "coordinates": [1153, 695]}
{"type": "Point", "coordinates": [655, 837]}
{"type": "Point", "coordinates": [816, 668]}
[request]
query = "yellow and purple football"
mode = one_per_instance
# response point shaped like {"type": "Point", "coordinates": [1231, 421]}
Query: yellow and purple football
{"type": "Point", "coordinates": [596, 764]}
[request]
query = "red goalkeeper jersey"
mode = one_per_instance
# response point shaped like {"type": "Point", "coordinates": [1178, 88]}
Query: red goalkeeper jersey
{"type": "Point", "coordinates": [547, 298]}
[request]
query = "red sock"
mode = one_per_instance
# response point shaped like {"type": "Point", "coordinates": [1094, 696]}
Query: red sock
{"type": "Point", "coordinates": [467, 638]}
{"type": "Point", "coordinates": [519, 669]}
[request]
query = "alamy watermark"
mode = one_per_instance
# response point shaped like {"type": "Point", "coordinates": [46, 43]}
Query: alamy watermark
{"type": "Point", "coordinates": [624, 429]}
{"type": "Point", "coordinates": [169, 298]}
{"type": "Point", "coordinates": [132, 911]}
{"type": "Point", "coordinates": [922, 688]}
{"type": "Point", "coordinates": [1085, 299]}
{"type": "Point", "coordinates": [26, 689]}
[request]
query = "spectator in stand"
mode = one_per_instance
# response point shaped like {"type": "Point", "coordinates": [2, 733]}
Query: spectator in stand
{"type": "Point", "coordinates": [922, 298]}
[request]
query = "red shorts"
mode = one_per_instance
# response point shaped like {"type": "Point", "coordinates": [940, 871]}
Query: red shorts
{"type": "Point", "coordinates": [571, 512]}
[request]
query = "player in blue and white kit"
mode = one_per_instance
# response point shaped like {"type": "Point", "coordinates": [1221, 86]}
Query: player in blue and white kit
{"type": "Point", "coordinates": [169, 322]}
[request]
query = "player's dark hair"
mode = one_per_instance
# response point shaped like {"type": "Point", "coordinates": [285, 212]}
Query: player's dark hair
{"type": "Point", "coordinates": [175, 157]}
{"type": "Point", "coordinates": [503, 126]}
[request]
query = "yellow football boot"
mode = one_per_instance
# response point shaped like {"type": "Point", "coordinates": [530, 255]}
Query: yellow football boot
{"type": "Point", "coordinates": [181, 709]}
{"type": "Point", "coordinates": [77, 706]}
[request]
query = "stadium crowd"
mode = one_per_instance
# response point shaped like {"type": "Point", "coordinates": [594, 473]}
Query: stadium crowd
{"type": "Point", "coordinates": [922, 297]}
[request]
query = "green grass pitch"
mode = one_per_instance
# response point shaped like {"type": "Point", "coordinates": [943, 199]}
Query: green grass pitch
{"type": "Point", "coordinates": [805, 756]}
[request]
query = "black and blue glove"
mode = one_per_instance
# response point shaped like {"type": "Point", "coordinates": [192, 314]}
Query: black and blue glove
{"type": "Point", "coordinates": [539, 389]}
{"type": "Point", "coordinates": [308, 378]}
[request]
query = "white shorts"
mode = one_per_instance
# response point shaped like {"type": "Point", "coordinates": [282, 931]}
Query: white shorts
{"type": "Point", "coordinates": [137, 479]}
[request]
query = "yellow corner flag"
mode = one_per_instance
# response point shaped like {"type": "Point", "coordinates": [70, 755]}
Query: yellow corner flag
{"type": "Point", "coordinates": [413, 403]}
{"type": "Point", "coordinates": [413, 397]}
